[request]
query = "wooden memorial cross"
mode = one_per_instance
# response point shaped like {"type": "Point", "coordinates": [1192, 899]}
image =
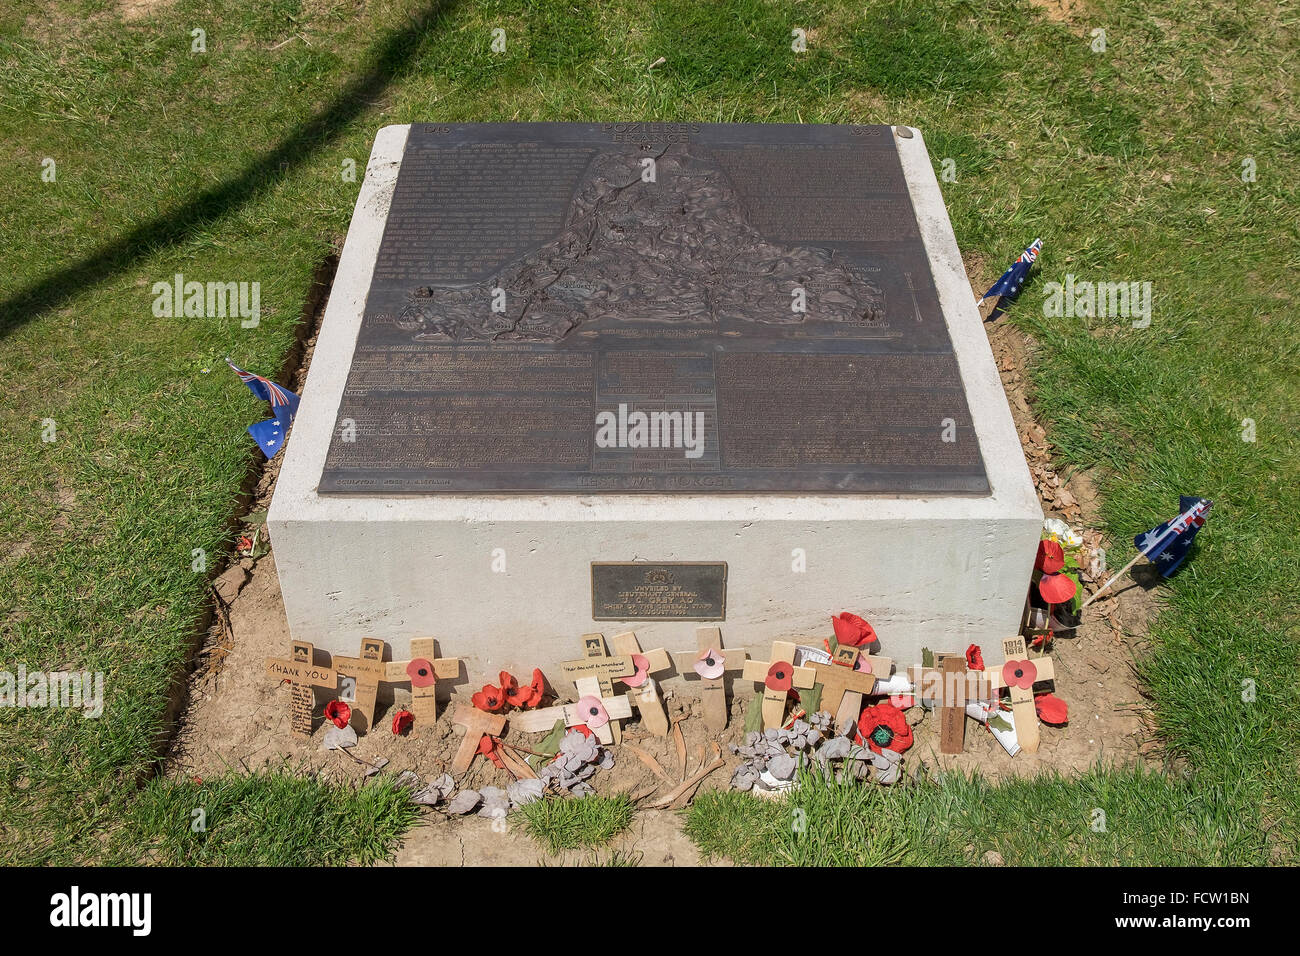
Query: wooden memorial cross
{"type": "Point", "coordinates": [596, 663]}
{"type": "Point", "coordinates": [617, 707]}
{"type": "Point", "coordinates": [777, 677]}
{"type": "Point", "coordinates": [843, 685]}
{"type": "Point", "coordinates": [368, 669]}
{"type": "Point", "coordinates": [1020, 673]}
{"type": "Point", "coordinates": [423, 670]}
{"type": "Point", "coordinates": [302, 675]}
{"type": "Point", "coordinates": [957, 687]}
{"type": "Point", "coordinates": [476, 723]}
{"type": "Point", "coordinates": [713, 690]}
{"type": "Point", "coordinates": [645, 695]}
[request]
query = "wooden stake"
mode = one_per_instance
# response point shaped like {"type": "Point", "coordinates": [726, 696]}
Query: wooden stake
{"type": "Point", "coordinates": [713, 691]}
{"type": "Point", "coordinates": [423, 670]}
{"type": "Point", "coordinates": [302, 675]}
{"type": "Point", "coordinates": [956, 687]}
{"type": "Point", "coordinates": [617, 707]}
{"type": "Point", "coordinates": [774, 698]}
{"type": "Point", "coordinates": [645, 696]}
{"type": "Point", "coordinates": [596, 662]}
{"type": "Point", "coordinates": [476, 724]}
{"type": "Point", "coordinates": [843, 686]}
{"type": "Point", "coordinates": [1015, 671]}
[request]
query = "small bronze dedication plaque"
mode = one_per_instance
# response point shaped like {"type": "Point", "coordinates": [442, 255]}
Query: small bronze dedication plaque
{"type": "Point", "coordinates": [664, 591]}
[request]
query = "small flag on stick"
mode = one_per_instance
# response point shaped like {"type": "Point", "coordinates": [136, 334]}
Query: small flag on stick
{"type": "Point", "coordinates": [269, 434]}
{"type": "Point", "coordinates": [1166, 544]}
{"type": "Point", "coordinates": [1011, 281]}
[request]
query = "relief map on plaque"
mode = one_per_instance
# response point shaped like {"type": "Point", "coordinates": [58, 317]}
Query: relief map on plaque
{"type": "Point", "coordinates": [652, 307]}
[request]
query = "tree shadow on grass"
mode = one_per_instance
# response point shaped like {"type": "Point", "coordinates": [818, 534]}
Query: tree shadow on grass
{"type": "Point", "coordinates": [392, 57]}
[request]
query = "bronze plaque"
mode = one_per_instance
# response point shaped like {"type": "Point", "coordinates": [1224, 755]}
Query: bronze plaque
{"type": "Point", "coordinates": [652, 307]}
{"type": "Point", "coordinates": [663, 591]}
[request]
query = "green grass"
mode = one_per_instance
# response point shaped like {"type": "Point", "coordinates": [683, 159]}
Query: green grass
{"type": "Point", "coordinates": [275, 818]}
{"type": "Point", "coordinates": [226, 165]}
{"type": "Point", "coordinates": [578, 824]}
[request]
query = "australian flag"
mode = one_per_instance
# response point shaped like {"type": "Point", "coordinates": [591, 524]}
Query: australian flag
{"type": "Point", "coordinates": [1009, 285]}
{"type": "Point", "coordinates": [269, 434]}
{"type": "Point", "coordinates": [1167, 544]}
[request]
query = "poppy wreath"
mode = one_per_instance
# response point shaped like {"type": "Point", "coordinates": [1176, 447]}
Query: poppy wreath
{"type": "Point", "coordinates": [883, 727]}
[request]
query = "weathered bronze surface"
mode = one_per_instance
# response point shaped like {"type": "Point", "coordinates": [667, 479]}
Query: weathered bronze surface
{"type": "Point", "coordinates": [566, 307]}
{"type": "Point", "coordinates": [671, 591]}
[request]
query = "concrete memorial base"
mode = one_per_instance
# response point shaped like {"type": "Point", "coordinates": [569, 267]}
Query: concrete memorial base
{"type": "Point", "coordinates": [504, 578]}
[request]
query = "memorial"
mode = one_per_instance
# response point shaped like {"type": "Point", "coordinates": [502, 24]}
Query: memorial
{"type": "Point", "coordinates": [573, 377]}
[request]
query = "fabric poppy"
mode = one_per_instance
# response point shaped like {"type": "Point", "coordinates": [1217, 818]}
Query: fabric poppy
{"type": "Point", "coordinates": [1050, 559]}
{"type": "Point", "coordinates": [339, 712]}
{"type": "Point", "coordinates": [883, 727]}
{"type": "Point", "coordinates": [592, 712]}
{"type": "Point", "coordinates": [780, 676]}
{"type": "Point", "coordinates": [1057, 588]}
{"type": "Point", "coordinates": [536, 689]}
{"type": "Point", "coordinates": [509, 687]}
{"type": "Point", "coordinates": [710, 665]}
{"type": "Point", "coordinates": [974, 658]}
{"type": "Point", "coordinates": [489, 698]}
{"type": "Point", "coordinates": [1020, 674]}
{"type": "Point", "coordinates": [402, 721]}
{"type": "Point", "coordinates": [421, 673]}
{"type": "Point", "coordinates": [641, 663]}
{"type": "Point", "coordinates": [488, 748]}
{"type": "Point", "coordinates": [245, 543]}
{"type": "Point", "coordinates": [853, 630]}
{"type": "Point", "coordinates": [1051, 709]}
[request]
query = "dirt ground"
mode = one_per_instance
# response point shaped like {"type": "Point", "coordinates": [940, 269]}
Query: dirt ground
{"type": "Point", "coordinates": [236, 718]}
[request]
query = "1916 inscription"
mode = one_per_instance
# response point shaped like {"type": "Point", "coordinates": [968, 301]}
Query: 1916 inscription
{"type": "Point", "coordinates": [651, 308]}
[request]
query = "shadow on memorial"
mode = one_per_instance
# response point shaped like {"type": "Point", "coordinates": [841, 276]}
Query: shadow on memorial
{"type": "Point", "coordinates": [392, 57]}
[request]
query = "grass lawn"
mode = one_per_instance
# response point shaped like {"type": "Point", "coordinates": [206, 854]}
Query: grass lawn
{"type": "Point", "coordinates": [226, 165]}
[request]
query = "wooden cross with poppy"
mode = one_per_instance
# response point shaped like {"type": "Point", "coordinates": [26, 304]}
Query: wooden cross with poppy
{"type": "Point", "coordinates": [598, 664]}
{"type": "Point", "coordinates": [956, 686]}
{"type": "Point", "coordinates": [710, 665]}
{"type": "Point", "coordinates": [302, 676]}
{"type": "Point", "coordinates": [476, 724]}
{"type": "Point", "coordinates": [1019, 673]}
{"type": "Point", "coordinates": [594, 712]}
{"type": "Point", "coordinates": [423, 670]}
{"type": "Point", "coordinates": [778, 676]}
{"type": "Point", "coordinates": [645, 692]}
{"type": "Point", "coordinates": [369, 670]}
{"type": "Point", "coordinates": [844, 684]}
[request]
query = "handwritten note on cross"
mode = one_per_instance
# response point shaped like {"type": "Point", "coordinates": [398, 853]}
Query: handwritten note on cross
{"type": "Point", "coordinates": [711, 659]}
{"type": "Point", "coordinates": [596, 663]}
{"type": "Point", "coordinates": [778, 676]}
{"type": "Point", "coordinates": [951, 686]}
{"type": "Point", "coordinates": [1019, 673]}
{"type": "Point", "coordinates": [644, 694]}
{"type": "Point", "coordinates": [423, 670]}
{"type": "Point", "coordinates": [302, 675]}
{"type": "Point", "coordinates": [368, 669]}
{"type": "Point", "coordinates": [843, 685]}
{"type": "Point", "coordinates": [476, 723]}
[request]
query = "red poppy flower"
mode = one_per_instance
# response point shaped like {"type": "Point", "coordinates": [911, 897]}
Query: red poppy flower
{"type": "Point", "coordinates": [245, 543]}
{"type": "Point", "coordinates": [488, 748]}
{"type": "Point", "coordinates": [1056, 588]}
{"type": "Point", "coordinates": [509, 688]}
{"type": "Point", "coordinates": [536, 688]}
{"type": "Point", "coordinates": [883, 727]}
{"type": "Point", "coordinates": [1051, 709]}
{"type": "Point", "coordinates": [780, 676]}
{"type": "Point", "coordinates": [974, 658]}
{"type": "Point", "coordinates": [853, 630]}
{"type": "Point", "coordinates": [402, 721]}
{"type": "Point", "coordinates": [1020, 673]}
{"type": "Point", "coordinates": [421, 673]}
{"type": "Point", "coordinates": [489, 698]}
{"type": "Point", "coordinates": [338, 712]}
{"type": "Point", "coordinates": [1051, 557]}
